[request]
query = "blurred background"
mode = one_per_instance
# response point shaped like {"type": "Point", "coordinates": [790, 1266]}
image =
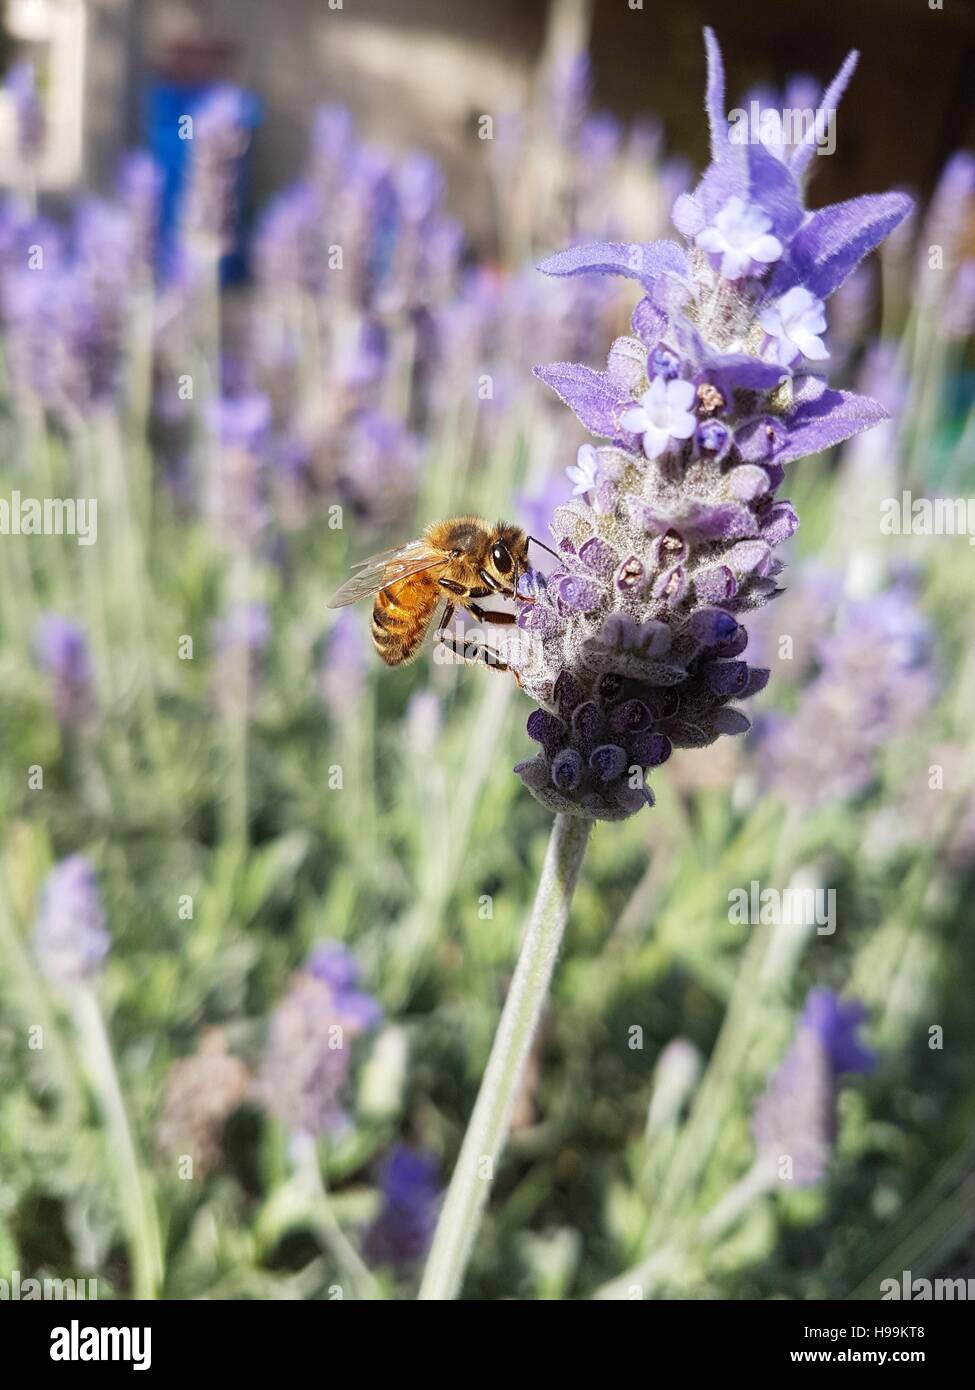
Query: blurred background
{"type": "Point", "coordinates": [267, 294]}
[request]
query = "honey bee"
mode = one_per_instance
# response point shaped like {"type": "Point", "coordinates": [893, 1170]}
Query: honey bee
{"type": "Point", "coordinates": [461, 560]}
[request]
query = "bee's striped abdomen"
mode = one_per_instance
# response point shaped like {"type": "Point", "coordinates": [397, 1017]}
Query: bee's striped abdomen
{"type": "Point", "coordinates": [401, 615]}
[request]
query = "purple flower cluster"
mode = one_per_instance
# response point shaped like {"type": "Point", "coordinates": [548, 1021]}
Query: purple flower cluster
{"type": "Point", "coordinates": [221, 135]}
{"type": "Point", "coordinates": [634, 643]}
{"type": "Point", "coordinates": [307, 1059]}
{"type": "Point", "coordinates": [359, 227]}
{"type": "Point", "coordinates": [61, 647]}
{"type": "Point", "coordinates": [70, 938]}
{"type": "Point", "coordinates": [795, 1117]}
{"type": "Point", "coordinates": [64, 302]}
{"type": "Point", "coordinates": [21, 85]}
{"type": "Point", "coordinates": [403, 1228]}
{"type": "Point", "coordinates": [874, 680]}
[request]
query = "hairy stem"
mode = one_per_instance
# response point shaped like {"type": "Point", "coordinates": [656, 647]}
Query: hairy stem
{"type": "Point", "coordinates": [488, 1128]}
{"type": "Point", "coordinates": [136, 1199]}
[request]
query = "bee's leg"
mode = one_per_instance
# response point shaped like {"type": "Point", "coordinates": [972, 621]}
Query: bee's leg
{"type": "Point", "coordinates": [483, 615]}
{"type": "Point", "coordinates": [470, 650]}
{"type": "Point", "coordinates": [474, 651]}
{"type": "Point", "coordinates": [448, 613]}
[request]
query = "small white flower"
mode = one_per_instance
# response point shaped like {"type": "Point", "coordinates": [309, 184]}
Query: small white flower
{"type": "Point", "coordinates": [795, 322]}
{"type": "Point", "coordinates": [740, 235]}
{"type": "Point", "coordinates": [663, 413]}
{"type": "Point", "coordinates": [584, 473]}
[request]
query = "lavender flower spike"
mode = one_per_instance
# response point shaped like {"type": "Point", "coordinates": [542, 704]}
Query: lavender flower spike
{"type": "Point", "coordinates": [634, 643]}
{"type": "Point", "coordinates": [307, 1062]}
{"type": "Point", "coordinates": [404, 1225]}
{"type": "Point", "coordinates": [62, 652]}
{"type": "Point", "coordinates": [795, 1118]}
{"type": "Point", "coordinates": [70, 939]}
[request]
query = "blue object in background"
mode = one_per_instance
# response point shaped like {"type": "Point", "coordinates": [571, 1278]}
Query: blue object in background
{"type": "Point", "coordinates": [165, 103]}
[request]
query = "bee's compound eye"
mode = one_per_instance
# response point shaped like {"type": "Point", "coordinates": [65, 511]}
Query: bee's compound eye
{"type": "Point", "coordinates": [501, 559]}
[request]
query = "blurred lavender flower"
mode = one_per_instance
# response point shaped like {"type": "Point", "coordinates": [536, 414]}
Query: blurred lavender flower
{"type": "Point", "coordinates": [364, 225]}
{"type": "Point", "coordinates": [633, 642]}
{"type": "Point", "coordinates": [944, 227]}
{"type": "Point", "coordinates": [852, 308]}
{"type": "Point", "coordinates": [402, 1230]}
{"type": "Point", "coordinates": [241, 636]}
{"type": "Point", "coordinates": [795, 1117]}
{"type": "Point", "coordinates": [533, 510]}
{"type": "Point", "coordinates": [202, 1091]}
{"type": "Point", "coordinates": [221, 136]}
{"type": "Point", "coordinates": [424, 718]}
{"type": "Point", "coordinates": [70, 938]}
{"type": "Point", "coordinates": [428, 245]}
{"type": "Point", "coordinates": [62, 652]}
{"type": "Point", "coordinates": [243, 425]}
{"type": "Point", "coordinates": [567, 92]}
{"type": "Point", "coordinates": [332, 145]}
{"type": "Point", "coordinates": [803, 614]}
{"type": "Point", "coordinates": [140, 184]}
{"type": "Point", "coordinates": [344, 667]}
{"type": "Point", "coordinates": [64, 313]}
{"type": "Point", "coordinates": [307, 1059]}
{"type": "Point", "coordinates": [377, 467]}
{"type": "Point", "coordinates": [874, 682]}
{"type": "Point", "coordinates": [338, 967]}
{"type": "Point", "coordinates": [93, 304]}
{"type": "Point", "coordinates": [21, 86]}
{"type": "Point", "coordinates": [286, 253]}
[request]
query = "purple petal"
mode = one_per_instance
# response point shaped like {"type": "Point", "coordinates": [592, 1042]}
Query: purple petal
{"type": "Point", "coordinates": [597, 556]}
{"type": "Point", "coordinates": [750, 557]}
{"type": "Point", "coordinates": [714, 98]}
{"type": "Point", "coordinates": [836, 416]}
{"type": "Point", "coordinates": [715, 585]}
{"type": "Point", "coordinates": [688, 217]}
{"type": "Point", "coordinates": [835, 240]}
{"type": "Point", "coordinates": [728, 720]}
{"type": "Point", "coordinates": [587, 723]}
{"type": "Point", "coordinates": [774, 189]}
{"type": "Point", "coordinates": [650, 750]}
{"type": "Point", "coordinates": [608, 762]}
{"type": "Point", "coordinates": [579, 593]}
{"type": "Point", "coordinates": [649, 323]}
{"type": "Point", "coordinates": [545, 729]}
{"type": "Point", "coordinates": [728, 677]}
{"type": "Point", "coordinates": [643, 261]}
{"type": "Point", "coordinates": [758, 678]}
{"type": "Point", "coordinates": [711, 626]}
{"type": "Point", "coordinates": [633, 716]}
{"type": "Point", "coordinates": [567, 770]}
{"type": "Point", "coordinates": [828, 102]}
{"type": "Point", "coordinates": [747, 482]}
{"type": "Point", "coordinates": [760, 439]}
{"type": "Point", "coordinates": [592, 395]}
{"type": "Point", "coordinates": [568, 692]}
{"type": "Point", "coordinates": [780, 523]}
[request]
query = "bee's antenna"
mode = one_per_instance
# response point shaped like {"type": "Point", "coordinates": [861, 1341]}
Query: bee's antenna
{"type": "Point", "coordinates": [544, 546]}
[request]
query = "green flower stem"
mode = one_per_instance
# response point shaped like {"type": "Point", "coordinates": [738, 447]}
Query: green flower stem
{"type": "Point", "coordinates": [350, 1263]}
{"type": "Point", "coordinates": [755, 983]}
{"type": "Point", "coordinates": [36, 1009]}
{"type": "Point", "coordinates": [674, 1258]}
{"type": "Point", "coordinates": [488, 1128]}
{"type": "Point", "coordinates": [138, 1206]}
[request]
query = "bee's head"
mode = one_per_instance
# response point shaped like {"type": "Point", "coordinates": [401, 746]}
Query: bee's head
{"type": "Point", "coordinates": [507, 556]}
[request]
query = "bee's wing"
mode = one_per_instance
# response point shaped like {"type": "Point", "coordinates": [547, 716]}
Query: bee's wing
{"type": "Point", "coordinates": [385, 568]}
